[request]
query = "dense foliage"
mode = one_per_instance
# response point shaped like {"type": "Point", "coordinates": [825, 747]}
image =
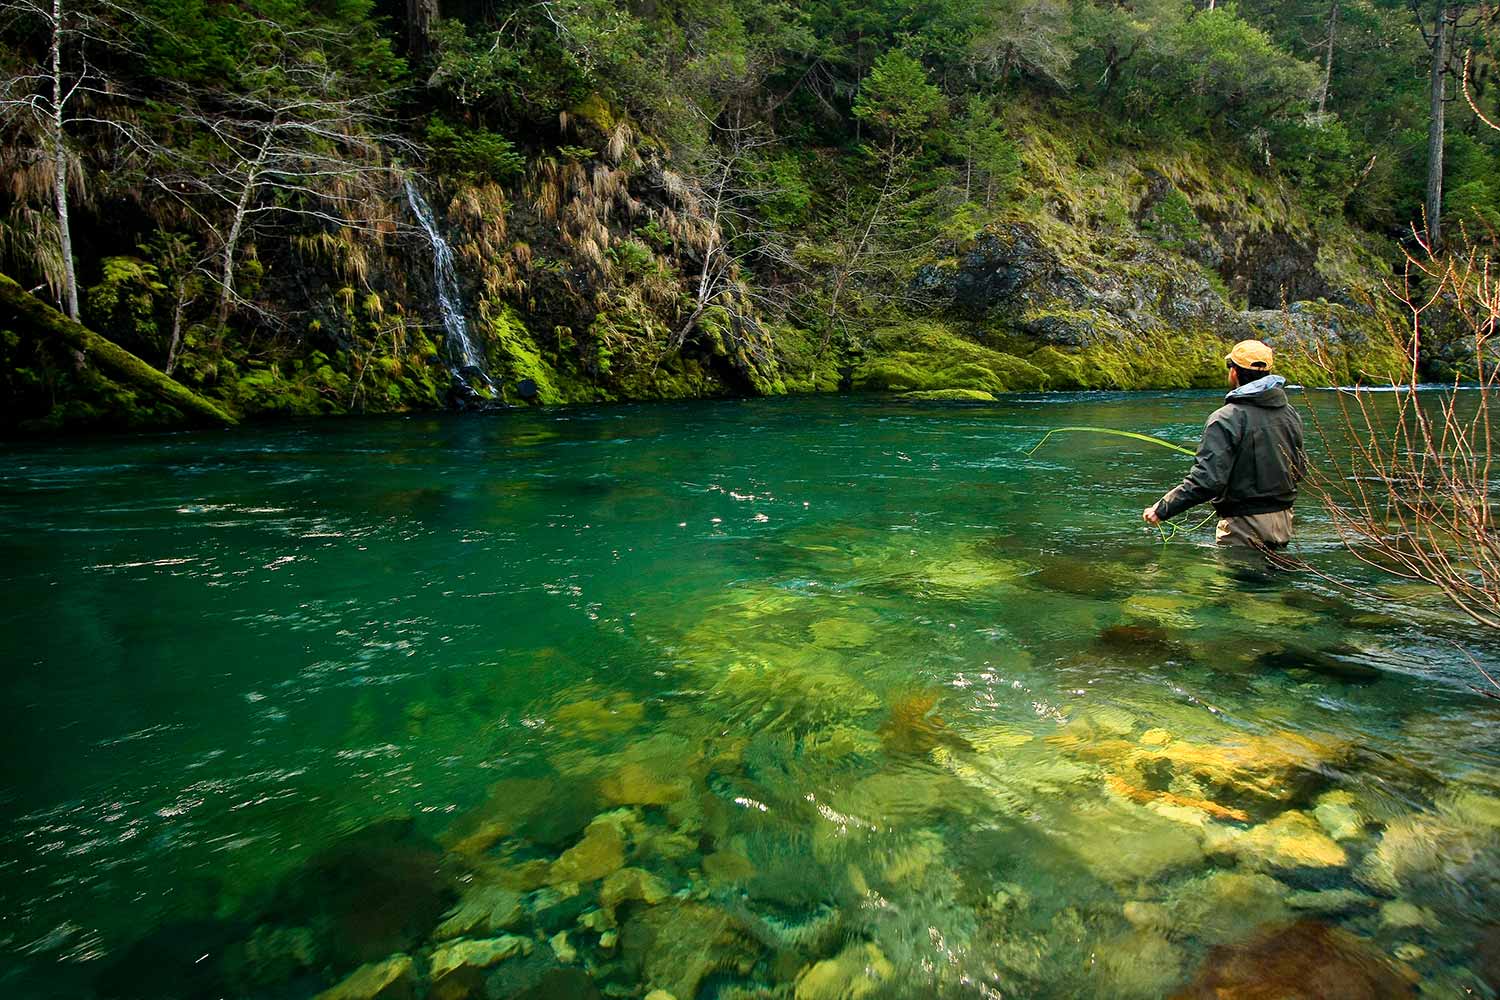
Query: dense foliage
{"type": "Point", "coordinates": [633, 183]}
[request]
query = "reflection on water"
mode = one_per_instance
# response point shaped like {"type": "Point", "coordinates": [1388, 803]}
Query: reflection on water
{"type": "Point", "coordinates": [813, 699]}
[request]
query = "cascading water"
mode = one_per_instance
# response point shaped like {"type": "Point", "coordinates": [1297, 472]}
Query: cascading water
{"type": "Point", "coordinates": [469, 361]}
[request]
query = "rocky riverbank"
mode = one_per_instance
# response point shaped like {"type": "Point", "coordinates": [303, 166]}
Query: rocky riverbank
{"type": "Point", "coordinates": [1134, 271]}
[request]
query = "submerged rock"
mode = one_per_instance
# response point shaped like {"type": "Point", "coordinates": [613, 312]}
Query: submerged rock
{"type": "Point", "coordinates": [1336, 813]}
{"type": "Point", "coordinates": [631, 885]}
{"type": "Point", "coordinates": [1331, 902]}
{"type": "Point", "coordinates": [599, 853]}
{"type": "Point", "coordinates": [485, 909]}
{"type": "Point", "coordinates": [1220, 906]}
{"type": "Point", "coordinates": [855, 973]}
{"type": "Point", "coordinates": [676, 945]}
{"type": "Point", "coordinates": [1291, 840]}
{"type": "Point", "coordinates": [1129, 844]}
{"type": "Point", "coordinates": [1306, 961]}
{"type": "Point", "coordinates": [392, 979]}
{"type": "Point", "coordinates": [476, 954]}
{"type": "Point", "coordinates": [378, 891]}
{"type": "Point", "coordinates": [1142, 963]}
{"type": "Point", "coordinates": [547, 811]}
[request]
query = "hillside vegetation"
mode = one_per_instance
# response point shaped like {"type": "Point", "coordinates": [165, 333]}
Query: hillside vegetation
{"type": "Point", "coordinates": [718, 197]}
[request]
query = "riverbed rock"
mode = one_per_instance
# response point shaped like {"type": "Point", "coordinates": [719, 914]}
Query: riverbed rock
{"type": "Point", "coordinates": [392, 979]}
{"type": "Point", "coordinates": [855, 973]}
{"type": "Point", "coordinates": [1219, 906]}
{"type": "Point", "coordinates": [631, 885]}
{"type": "Point", "coordinates": [1243, 776]}
{"type": "Point", "coordinates": [1128, 844]}
{"type": "Point", "coordinates": [379, 891]}
{"type": "Point", "coordinates": [1337, 814]}
{"type": "Point", "coordinates": [1306, 961]}
{"type": "Point", "coordinates": [599, 853]}
{"type": "Point", "coordinates": [1291, 840]}
{"type": "Point", "coordinates": [1141, 964]}
{"type": "Point", "coordinates": [476, 954]}
{"type": "Point", "coordinates": [678, 944]}
{"type": "Point", "coordinates": [547, 811]}
{"type": "Point", "coordinates": [596, 718]}
{"type": "Point", "coordinates": [482, 910]}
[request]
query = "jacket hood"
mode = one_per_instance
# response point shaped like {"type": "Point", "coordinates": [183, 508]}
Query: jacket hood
{"type": "Point", "coordinates": [1267, 392]}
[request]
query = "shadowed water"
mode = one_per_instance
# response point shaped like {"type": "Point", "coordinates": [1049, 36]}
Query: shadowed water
{"type": "Point", "coordinates": [861, 699]}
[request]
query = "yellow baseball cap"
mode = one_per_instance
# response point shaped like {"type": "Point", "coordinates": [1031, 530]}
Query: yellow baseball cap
{"type": "Point", "coordinates": [1251, 355]}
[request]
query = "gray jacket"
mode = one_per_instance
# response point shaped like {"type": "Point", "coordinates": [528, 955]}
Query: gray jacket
{"type": "Point", "coordinates": [1250, 459]}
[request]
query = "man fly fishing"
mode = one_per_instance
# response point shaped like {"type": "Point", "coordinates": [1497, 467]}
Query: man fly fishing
{"type": "Point", "coordinates": [1250, 460]}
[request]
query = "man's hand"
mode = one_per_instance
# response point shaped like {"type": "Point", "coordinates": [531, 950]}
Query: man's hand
{"type": "Point", "coordinates": [1149, 515]}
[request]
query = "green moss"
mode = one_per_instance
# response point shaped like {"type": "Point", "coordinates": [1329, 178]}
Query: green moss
{"type": "Point", "coordinates": [513, 356]}
{"type": "Point", "coordinates": [925, 355]}
{"type": "Point", "coordinates": [951, 395]}
{"type": "Point", "coordinates": [805, 361]}
{"type": "Point", "coordinates": [596, 111]}
{"type": "Point", "coordinates": [1156, 362]}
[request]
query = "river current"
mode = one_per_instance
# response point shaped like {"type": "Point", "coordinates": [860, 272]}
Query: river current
{"type": "Point", "coordinates": [812, 698]}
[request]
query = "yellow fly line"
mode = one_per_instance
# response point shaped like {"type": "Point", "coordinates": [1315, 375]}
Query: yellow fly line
{"type": "Point", "coordinates": [1168, 531]}
{"type": "Point", "coordinates": [1149, 439]}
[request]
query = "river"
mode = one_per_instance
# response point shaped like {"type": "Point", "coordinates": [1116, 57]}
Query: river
{"type": "Point", "coordinates": [839, 697]}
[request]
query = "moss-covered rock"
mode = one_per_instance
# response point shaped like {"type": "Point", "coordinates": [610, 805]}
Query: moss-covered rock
{"type": "Point", "coordinates": [515, 360]}
{"type": "Point", "coordinates": [926, 355]}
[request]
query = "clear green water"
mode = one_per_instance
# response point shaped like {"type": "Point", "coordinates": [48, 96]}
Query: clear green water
{"type": "Point", "coordinates": [843, 673]}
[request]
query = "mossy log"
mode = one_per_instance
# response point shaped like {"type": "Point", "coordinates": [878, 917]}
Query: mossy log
{"type": "Point", "coordinates": [21, 307]}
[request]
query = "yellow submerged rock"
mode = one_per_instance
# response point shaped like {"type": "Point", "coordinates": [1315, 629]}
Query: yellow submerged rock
{"type": "Point", "coordinates": [484, 909]}
{"type": "Point", "coordinates": [1250, 771]}
{"type": "Point", "coordinates": [391, 979]}
{"type": "Point", "coordinates": [728, 866]}
{"type": "Point", "coordinates": [1291, 840]}
{"type": "Point", "coordinates": [476, 954]}
{"type": "Point", "coordinates": [995, 738]}
{"type": "Point", "coordinates": [632, 884]}
{"type": "Point", "coordinates": [594, 718]}
{"type": "Point", "coordinates": [641, 785]}
{"type": "Point", "coordinates": [600, 853]}
{"type": "Point", "coordinates": [855, 973]}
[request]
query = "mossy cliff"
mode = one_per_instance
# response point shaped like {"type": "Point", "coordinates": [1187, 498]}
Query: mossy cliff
{"type": "Point", "coordinates": [1106, 267]}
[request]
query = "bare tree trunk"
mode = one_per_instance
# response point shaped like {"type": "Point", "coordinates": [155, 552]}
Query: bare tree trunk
{"type": "Point", "coordinates": [232, 241]}
{"type": "Point", "coordinates": [176, 343]}
{"type": "Point", "coordinates": [1436, 81]}
{"type": "Point", "coordinates": [1333, 24]}
{"type": "Point", "coordinates": [60, 169]}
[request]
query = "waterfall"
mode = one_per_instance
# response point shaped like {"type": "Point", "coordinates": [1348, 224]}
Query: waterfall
{"type": "Point", "coordinates": [445, 279]}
